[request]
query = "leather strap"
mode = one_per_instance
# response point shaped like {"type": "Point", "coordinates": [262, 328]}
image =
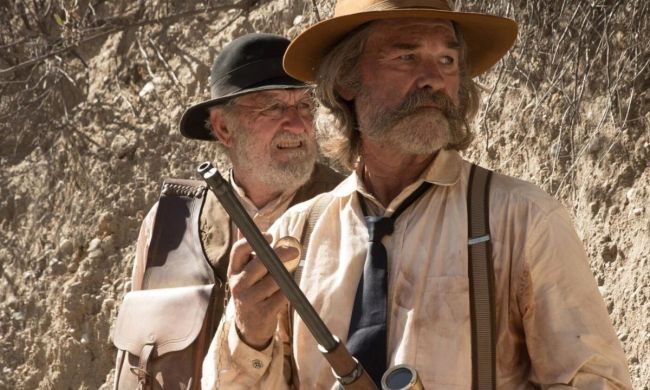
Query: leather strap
{"type": "Point", "coordinates": [143, 364]}
{"type": "Point", "coordinates": [314, 214]}
{"type": "Point", "coordinates": [481, 281]}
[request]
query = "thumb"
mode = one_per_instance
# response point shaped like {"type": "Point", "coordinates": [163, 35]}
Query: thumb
{"type": "Point", "coordinates": [289, 251]}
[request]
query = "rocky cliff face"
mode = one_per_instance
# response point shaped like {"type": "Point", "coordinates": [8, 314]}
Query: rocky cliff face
{"type": "Point", "coordinates": [91, 94]}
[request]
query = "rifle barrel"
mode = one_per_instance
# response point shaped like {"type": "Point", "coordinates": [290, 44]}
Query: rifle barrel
{"type": "Point", "coordinates": [285, 281]}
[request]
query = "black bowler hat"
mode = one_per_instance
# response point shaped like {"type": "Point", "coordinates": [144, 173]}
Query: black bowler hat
{"type": "Point", "coordinates": [248, 64]}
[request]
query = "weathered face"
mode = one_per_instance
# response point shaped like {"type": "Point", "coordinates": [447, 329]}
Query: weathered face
{"type": "Point", "coordinates": [272, 137]}
{"type": "Point", "coordinates": [410, 78]}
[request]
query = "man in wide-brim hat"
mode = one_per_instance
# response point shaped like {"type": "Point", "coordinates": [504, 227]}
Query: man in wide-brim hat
{"type": "Point", "coordinates": [388, 265]}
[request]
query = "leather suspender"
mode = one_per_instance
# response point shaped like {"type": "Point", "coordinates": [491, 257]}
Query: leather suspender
{"type": "Point", "coordinates": [481, 281]}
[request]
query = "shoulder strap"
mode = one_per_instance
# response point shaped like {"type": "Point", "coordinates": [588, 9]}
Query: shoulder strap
{"type": "Point", "coordinates": [314, 214]}
{"type": "Point", "coordinates": [481, 280]}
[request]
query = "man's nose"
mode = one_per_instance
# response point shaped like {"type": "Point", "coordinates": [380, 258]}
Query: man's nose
{"type": "Point", "coordinates": [292, 120]}
{"type": "Point", "coordinates": [429, 76]}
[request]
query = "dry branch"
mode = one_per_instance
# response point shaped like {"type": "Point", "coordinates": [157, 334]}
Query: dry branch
{"type": "Point", "coordinates": [120, 27]}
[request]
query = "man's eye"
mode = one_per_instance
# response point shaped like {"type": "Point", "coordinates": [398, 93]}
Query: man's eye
{"type": "Point", "coordinates": [273, 110]}
{"type": "Point", "coordinates": [305, 105]}
{"type": "Point", "coordinates": [447, 60]}
{"type": "Point", "coordinates": [407, 57]}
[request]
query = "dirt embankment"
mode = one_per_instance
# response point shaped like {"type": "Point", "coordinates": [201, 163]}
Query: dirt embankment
{"type": "Point", "coordinates": [89, 130]}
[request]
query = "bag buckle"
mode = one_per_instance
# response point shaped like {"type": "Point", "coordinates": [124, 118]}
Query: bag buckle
{"type": "Point", "coordinates": [141, 369]}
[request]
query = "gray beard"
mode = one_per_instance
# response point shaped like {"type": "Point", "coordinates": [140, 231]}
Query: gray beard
{"type": "Point", "coordinates": [422, 133]}
{"type": "Point", "coordinates": [274, 174]}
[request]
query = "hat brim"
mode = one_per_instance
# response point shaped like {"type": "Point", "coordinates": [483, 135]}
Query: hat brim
{"type": "Point", "coordinates": [488, 38]}
{"type": "Point", "coordinates": [192, 123]}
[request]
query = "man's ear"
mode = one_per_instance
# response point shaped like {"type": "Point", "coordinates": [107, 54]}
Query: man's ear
{"type": "Point", "coordinates": [219, 127]}
{"type": "Point", "coordinates": [346, 93]}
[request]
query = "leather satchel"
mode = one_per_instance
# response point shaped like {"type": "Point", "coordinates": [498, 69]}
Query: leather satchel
{"type": "Point", "coordinates": [162, 336]}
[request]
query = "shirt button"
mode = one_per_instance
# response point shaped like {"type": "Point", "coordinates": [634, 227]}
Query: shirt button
{"type": "Point", "coordinates": [257, 363]}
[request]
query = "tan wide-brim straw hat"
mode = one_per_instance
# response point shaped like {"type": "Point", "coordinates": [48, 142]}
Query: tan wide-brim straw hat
{"type": "Point", "coordinates": [488, 37]}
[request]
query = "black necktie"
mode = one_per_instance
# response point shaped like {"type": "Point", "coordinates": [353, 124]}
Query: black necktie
{"type": "Point", "coordinates": [367, 333]}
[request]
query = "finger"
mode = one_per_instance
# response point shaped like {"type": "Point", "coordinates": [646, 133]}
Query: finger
{"type": "Point", "coordinates": [241, 254]}
{"type": "Point", "coordinates": [290, 256]}
{"type": "Point", "coordinates": [276, 302]}
{"type": "Point", "coordinates": [288, 251]}
{"type": "Point", "coordinates": [259, 291]}
{"type": "Point", "coordinates": [252, 273]}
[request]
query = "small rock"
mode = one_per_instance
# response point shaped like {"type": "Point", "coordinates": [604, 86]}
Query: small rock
{"type": "Point", "coordinates": [57, 267]}
{"type": "Point", "coordinates": [108, 304]}
{"type": "Point", "coordinates": [610, 307]}
{"type": "Point", "coordinates": [297, 20]}
{"type": "Point", "coordinates": [106, 223]}
{"type": "Point", "coordinates": [614, 210]}
{"type": "Point", "coordinates": [147, 89]}
{"type": "Point", "coordinates": [609, 253]}
{"type": "Point", "coordinates": [637, 211]}
{"type": "Point", "coordinates": [66, 247]}
{"type": "Point", "coordinates": [108, 244]}
{"type": "Point", "coordinates": [94, 244]}
{"type": "Point", "coordinates": [72, 266]}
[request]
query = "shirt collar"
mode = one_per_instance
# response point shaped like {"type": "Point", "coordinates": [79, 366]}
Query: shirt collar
{"type": "Point", "coordinates": [271, 207]}
{"type": "Point", "coordinates": [444, 170]}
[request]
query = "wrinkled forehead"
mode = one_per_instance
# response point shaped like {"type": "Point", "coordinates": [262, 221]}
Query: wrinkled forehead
{"type": "Point", "coordinates": [274, 95]}
{"type": "Point", "coordinates": [394, 28]}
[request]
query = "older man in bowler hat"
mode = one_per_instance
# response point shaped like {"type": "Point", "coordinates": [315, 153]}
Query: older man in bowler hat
{"type": "Point", "coordinates": [395, 266]}
{"type": "Point", "coordinates": [261, 118]}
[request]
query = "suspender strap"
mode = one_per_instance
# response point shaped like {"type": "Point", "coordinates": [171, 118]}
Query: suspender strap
{"type": "Point", "coordinates": [481, 281]}
{"type": "Point", "coordinates": [314, 214]}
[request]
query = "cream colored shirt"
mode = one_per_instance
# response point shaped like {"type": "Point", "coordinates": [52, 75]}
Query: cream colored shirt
{"type": "Point", "coordinates": [553, 330]}
{"type": "Point", "coordinates": [263, 218]}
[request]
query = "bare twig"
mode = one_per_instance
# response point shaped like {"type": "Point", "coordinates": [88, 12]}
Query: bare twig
{"type": "Point", "coordinates": [170, 71]}
{"type": "Point", "coordinates": [114, 29]}
{"type": "Point", "coordinates": [315, 9]}
{"type": "Point", "coordinates": [484, 126]}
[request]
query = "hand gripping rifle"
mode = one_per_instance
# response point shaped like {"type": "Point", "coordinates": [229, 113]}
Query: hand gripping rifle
{"type": "Point", "coordinates": [346, 368]}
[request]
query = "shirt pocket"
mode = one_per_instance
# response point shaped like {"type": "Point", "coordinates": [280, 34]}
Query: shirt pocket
{"type": "Point", "coordinates": [443, 352]}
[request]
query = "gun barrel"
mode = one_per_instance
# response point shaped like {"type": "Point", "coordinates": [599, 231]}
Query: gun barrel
{"type": "Point", "coordinates": [233, 207]}
{"type": "Point", "coordinates": [348, 371]}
